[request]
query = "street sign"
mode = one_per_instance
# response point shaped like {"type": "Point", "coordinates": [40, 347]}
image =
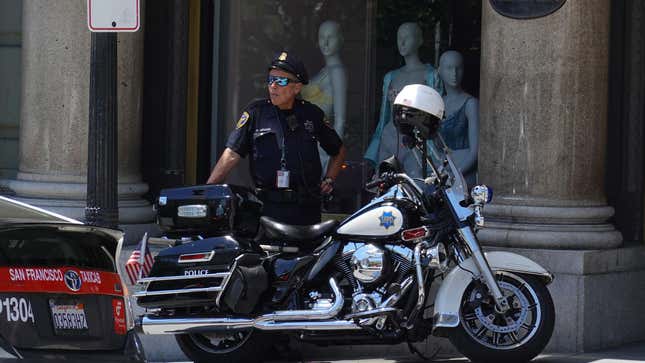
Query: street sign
{"type": "Point", "coordinates": [113, 15]}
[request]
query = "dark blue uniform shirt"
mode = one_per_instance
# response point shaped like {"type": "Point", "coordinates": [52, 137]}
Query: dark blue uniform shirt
{"type": "Point", "coordinates": [261, 132]}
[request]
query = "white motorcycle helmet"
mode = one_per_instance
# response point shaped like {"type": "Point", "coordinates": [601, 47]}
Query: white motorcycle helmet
{"type": "Point", "coordinates": [418, 106]}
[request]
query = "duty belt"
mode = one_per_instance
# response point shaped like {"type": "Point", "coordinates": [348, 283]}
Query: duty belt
{"type": "Point", "coordinates": [286, 196]}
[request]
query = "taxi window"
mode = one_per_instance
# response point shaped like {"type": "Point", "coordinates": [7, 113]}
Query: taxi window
{"type": "Point", "coordinates": [53, 248]}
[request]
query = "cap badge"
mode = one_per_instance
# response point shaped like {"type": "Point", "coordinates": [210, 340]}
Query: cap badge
{"type": "Point", "coordinates": [242, 121]}
{"type": "Point", "coordinates": [283, 56]}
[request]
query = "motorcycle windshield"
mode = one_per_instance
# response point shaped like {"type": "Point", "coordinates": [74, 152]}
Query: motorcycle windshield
{"type": "Point", "coordinates": [439, 157]}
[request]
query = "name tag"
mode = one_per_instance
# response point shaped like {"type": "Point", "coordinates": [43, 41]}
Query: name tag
{"type": "Point", "coordinates": [282, 179]}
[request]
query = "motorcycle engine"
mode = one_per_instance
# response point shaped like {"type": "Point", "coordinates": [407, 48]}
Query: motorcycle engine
{"type": "Point", "coordinates": [369, 264]}
{"type": "Point", "coordinates": [372, 271]}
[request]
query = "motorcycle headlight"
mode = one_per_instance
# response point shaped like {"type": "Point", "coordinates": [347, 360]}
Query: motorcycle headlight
{"type": "Point", "coordinates": [481, 194]}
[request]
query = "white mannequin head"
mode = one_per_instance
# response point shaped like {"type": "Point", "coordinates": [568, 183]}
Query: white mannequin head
{"type": "Point", "coordinates": [330, 39]}
{"type": "Point", "coordinates": [409, 39]}
{"type": "Point", "coordinates": [451, 68]}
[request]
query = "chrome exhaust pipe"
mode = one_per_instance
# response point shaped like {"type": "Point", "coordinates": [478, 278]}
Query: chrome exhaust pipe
{"type": "Point", "coordinates": [324, 314]}
{"type": "Point", "coordinates": [175, 325]}
{"type": "Point", "coordinates": [278, 320]}
{"type": "Point", "coordinates": [155, 325]}
{"type": "Point", "coordinates": [308, 325]}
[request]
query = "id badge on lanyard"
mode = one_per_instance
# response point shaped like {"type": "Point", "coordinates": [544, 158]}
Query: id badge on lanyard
{"type": "Point", "coordinates": [282, 179]}
{"type": "Point", "coordinates": [282, 175]}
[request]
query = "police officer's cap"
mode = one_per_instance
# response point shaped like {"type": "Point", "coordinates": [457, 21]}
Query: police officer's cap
{"type": "Point", "coordinates": [288, 62]}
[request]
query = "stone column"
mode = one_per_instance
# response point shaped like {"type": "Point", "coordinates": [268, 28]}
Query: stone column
{"type": "Point", "coordinates": [54, 116]}
{"type": "Point", "coordinates": [544, 85]}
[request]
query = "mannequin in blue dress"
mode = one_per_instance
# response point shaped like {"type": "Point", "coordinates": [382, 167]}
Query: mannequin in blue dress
{"type": "Point", "coordinates": [385, 141]}
{"type": "Point", "coordinates": [328, 88]}
{"type": "Point", "coordinates": [460, 128]}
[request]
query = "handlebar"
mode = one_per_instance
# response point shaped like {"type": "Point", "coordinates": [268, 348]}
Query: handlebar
{"type": "Point", "coordinates": [374, 183]}
{"type": "Point", "coordinates": [389, 177]}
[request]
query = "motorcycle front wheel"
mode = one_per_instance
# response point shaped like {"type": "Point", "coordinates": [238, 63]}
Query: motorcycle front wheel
{"type": "Point", "coordinates": [518, 335]}
{"type": "Point", "coordinates": [241, 346]}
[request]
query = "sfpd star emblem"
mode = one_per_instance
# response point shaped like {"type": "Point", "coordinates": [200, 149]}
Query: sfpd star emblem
{"type": "Point", "coordinates": [387, 220]}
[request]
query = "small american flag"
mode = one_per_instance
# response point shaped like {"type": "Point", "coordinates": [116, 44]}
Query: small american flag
{"type": "Point", "coordinates": [137, 259]}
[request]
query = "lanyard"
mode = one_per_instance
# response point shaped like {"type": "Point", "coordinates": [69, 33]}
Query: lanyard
{"type": "Point", "coordinates": [281, 136]}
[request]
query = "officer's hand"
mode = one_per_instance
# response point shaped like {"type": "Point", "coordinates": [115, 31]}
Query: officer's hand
{"type": "Point", "coordinates": [326, 186]}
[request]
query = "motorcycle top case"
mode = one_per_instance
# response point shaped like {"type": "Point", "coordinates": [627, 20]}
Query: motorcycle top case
{"type": "Point", "coordinates": [213, 209]}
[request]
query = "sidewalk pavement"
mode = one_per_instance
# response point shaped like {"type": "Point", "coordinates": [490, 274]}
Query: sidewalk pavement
{"type": "Point", "coordinates": [626, 354]}
{"type": "Point", "coordinates": [631, 353]}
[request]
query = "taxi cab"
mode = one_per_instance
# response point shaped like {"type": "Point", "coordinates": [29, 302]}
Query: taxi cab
{"type": "Point", "coordinates": [60, 291]}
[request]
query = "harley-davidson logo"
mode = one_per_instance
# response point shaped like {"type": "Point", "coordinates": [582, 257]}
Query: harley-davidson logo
{"type": "Point", "coordinates": [387, 220]}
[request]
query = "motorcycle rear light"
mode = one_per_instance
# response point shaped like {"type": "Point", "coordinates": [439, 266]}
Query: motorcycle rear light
{"type": "Point", "coordinates": [196, 257]}
{"type": "Point", "coordinates": [414, 233]}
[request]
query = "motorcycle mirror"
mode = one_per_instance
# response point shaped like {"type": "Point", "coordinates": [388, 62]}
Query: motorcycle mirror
{"type": "Point", "coordinates": [390, 164]}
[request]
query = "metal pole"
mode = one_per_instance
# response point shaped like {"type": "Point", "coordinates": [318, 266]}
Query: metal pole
{"type": "Point", "coordinates": [102, 203]}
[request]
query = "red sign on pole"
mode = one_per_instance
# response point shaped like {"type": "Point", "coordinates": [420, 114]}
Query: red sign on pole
{"type": "Point", "coordinates": [113, 15]}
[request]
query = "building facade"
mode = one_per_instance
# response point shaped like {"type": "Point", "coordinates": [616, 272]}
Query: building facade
{"type": "Point", "coordinates": [561, 110]}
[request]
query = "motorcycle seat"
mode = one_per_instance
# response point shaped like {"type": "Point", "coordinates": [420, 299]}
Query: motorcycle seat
{"type": "Point", "coordinates": [274, 230]}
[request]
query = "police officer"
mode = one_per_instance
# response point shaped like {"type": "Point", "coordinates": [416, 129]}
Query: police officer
{"type": "Point", "coordinates": [281, 134]}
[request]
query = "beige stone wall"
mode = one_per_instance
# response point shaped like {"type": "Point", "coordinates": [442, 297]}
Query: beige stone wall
{"type": "Point", "coordinates": [55, 112]}
{"type": "Point", "coordinates": [543, 134]}
{"type": "Point", "coordinates": [544, 104]}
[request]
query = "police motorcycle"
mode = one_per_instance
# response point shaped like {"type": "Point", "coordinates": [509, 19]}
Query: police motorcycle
{"type": "Point", "coordinates": [228, 292]}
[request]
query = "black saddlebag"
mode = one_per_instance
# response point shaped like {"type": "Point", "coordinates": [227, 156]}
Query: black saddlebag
{"type": "Point", "coordinates": [245, 288]}
{"type": "Point", "coordinates": [191, 274]}
{"type": "Point", "coordinates": [216, 209]}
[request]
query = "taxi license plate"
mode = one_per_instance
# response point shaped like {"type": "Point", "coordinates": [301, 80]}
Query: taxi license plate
{"type": "Point", "coordinates": [192, 211]}
{"type": "Point", "coordinates": [68, 318]}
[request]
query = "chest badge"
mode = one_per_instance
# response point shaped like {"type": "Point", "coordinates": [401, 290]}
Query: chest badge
{"type": "Point", "coordinates": [309, 126]}
{"type": "Point", "coordinates": [387, 220]}
{"type": "Point", "coordinates": [242, 121]}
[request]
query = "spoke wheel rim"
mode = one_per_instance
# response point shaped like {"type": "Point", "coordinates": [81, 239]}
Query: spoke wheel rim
{"type": "Point", "coordinates": [502, 331]}
{"type": "Point", "coordinates": [220, 344]}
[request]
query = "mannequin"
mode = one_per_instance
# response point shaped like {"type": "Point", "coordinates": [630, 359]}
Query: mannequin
{"type": "Point", "coordinates": [385, 142]}
{"type": "Point", "coordinates": [328, 88]}
{"type": "Point", "coordinates": [460, 128]}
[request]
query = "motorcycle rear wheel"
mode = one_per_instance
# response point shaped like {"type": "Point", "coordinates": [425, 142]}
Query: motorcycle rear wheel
{"type": "Point", "coordinates": [242, 346]}
{"type": "Point", "coordinates": [484, 335]}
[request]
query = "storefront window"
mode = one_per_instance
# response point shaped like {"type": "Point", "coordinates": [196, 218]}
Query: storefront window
{"type": "Point", "coordinates": [354, 52]}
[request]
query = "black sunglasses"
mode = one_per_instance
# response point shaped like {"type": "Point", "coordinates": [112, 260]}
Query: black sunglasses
{"type": "Point", "coordinates": [281, 81]}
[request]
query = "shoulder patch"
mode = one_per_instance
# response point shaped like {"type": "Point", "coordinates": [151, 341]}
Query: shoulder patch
{"type": "Point", "coordinates": [242, 121]}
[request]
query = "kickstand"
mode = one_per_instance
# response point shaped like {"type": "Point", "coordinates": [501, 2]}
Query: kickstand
{"type": "Point", "coordinates": [414, 350]}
